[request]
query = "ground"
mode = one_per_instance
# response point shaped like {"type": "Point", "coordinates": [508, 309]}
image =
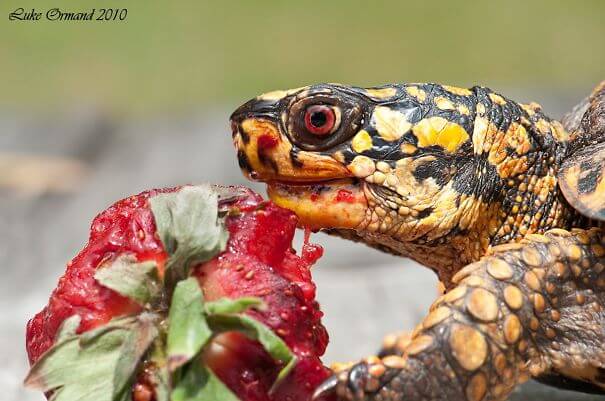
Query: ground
{"type": "Point", "coordinates": [364, 293]}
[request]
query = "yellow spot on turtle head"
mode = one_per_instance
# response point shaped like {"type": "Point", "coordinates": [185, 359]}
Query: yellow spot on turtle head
{"type": "Point", "coordinates": [457, 91]}
{"type": "Point", "coordinates": [438, 131]}
{"type": "Point", "coordinates": [381, 93]}
{"type": "Point", "coordinates": [416, 92]}
{"type": "Point", "coordinates": [278, 94]}
{"type": "Point", "coordinates": [462, 109]}
{"type": "Point", "coordinates": [390, 124]}
{"type": "Point", "coordinates": [361, 142]}
{"type": "Point", "coordinates": [497, 99]}
{"type": "Point", "coordinates": [408, 148]}
{"type": "Point", "coordinates": [444, 103]}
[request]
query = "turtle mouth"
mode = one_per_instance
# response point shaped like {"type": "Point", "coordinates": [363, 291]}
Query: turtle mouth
{"type": "Point", "coordinates": [322, 204]}
{"type": "Point", "coordinates": [313, 183]}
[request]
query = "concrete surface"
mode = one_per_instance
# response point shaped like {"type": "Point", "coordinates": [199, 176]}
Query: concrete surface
{"type": "Point", "coordinates": [363, 293]}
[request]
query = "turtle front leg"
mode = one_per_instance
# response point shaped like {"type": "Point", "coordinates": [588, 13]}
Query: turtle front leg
{"type": "Point", "coordinates": [525, 310]}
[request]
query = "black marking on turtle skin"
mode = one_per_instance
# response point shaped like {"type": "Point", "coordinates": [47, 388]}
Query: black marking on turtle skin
{"type": "Point", "coordinates": [500, 115]}
{"type": "Point", "coordinates": [243, 134]}
{"type": "Point", "coordinates": [440, 169]}
{"type": "Point", "coordinates": [410, 138]}
{"type": "Point", "coordinates": [487, 185]}
{"type": "Point", "coordinates": [265, 160]}
{"type": "Point", "coordinates": [243, 162]}
{"type": "Point", "coordinates": [294, 158]}
{"type": "Point", "coordinates": [454, 232]}
{"type": "Point", "coordinates": [382, 149]}
{"type": "Point", "coordinates": [458, 200]}
{"type": "Point", "coordinates": [537, 139]}
{"type": "Point", "coordinates": [425, 212]}
{"type": "Point", "coordinates": [588, 181]}
{"type": "Point", "coordinates": [466, 181]}
{"type": "Point", "coordinates": [454, 116]}
{"type": "Point", "coordinates": [408, 106]}
{"type": "Point", "coordinates": [462, 170]}
{"type": "Point", "coordinates": [348, 155]}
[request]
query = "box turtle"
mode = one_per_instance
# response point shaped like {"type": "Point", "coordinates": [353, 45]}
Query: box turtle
{"type": "Point", "coordinates": [505, 204]}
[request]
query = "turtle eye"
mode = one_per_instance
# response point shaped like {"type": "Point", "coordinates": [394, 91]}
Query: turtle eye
{"type": "Point", "coordinates": [320, 120]}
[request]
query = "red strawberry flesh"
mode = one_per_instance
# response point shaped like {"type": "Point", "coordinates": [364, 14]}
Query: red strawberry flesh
{"type": "Point", "coordinates": [259, 261]}
{"type": "Point", "coordinates": [127, 227]}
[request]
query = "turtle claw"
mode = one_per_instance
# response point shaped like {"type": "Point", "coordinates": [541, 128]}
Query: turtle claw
{"type": "Point", "coordinates": [357, 378]}
{"type": "Point", "coordinates": [328, 387]}
{"type": "Point", "coordinates": [346, 384]}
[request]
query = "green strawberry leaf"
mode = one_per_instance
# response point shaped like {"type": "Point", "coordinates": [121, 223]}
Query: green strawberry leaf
{"type": "Point", "coordinates": [133, 349]}
{"type": "Point", "coordinates": [200, 384]}
{"type": "Point", "coordinates": [137, 281]}
{"type": "Point", "coordinates": [68, 328]}
{"type": "Point", "coordinates": [98, 365]}
{"type": "Point", "coordinates": [188, 331]}
{"type": "Point", "coordinates": [256, 330]}
{"type": "Point", "coordinates": [189, 227]}
{"type": "Point", "coordinates": [227, 305]}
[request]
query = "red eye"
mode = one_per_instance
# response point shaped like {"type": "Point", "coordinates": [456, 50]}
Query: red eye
{"type": "Point", "coordinates": [319, 119]}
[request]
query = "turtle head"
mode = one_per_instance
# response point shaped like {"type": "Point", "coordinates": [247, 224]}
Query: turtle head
{"type": "Point", "coordinates": [392, 162]}
{"type": "Point", "coordinates": [296, 142]}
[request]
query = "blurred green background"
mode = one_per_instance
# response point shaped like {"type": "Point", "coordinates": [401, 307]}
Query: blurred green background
{"type": "Point", "coordinates": [91, 112]}
{"type": "Point", "coordinates": [175, 56]}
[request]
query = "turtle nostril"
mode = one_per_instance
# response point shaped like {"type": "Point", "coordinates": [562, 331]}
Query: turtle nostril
{"type": "Point", "coordinates": [245, 110]}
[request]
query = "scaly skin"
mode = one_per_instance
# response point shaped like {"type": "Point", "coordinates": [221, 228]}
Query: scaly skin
{"type": "Point", "coordinates": [465, 182]}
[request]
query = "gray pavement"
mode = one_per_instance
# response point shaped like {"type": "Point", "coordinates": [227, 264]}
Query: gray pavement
{"type": "Point", "coordinates": [363, 293]}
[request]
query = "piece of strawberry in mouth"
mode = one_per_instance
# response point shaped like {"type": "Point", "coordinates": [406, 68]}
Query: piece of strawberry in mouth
{"type": "Point", "coordinates": [340, 204]}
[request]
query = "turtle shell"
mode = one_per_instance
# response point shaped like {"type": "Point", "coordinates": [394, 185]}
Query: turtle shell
{"type": "Point", "coordinates": [582, 175]}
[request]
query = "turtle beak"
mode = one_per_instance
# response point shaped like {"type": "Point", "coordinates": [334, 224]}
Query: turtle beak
{"type": "Point", "coordinates": [252, 121]}
{"type": "Point", "coordinates": [255, 108]}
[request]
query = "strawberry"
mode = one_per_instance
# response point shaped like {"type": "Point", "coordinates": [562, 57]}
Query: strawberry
{"type": "Point", "coordinates": [127, 227]}
{"type": "Point", "coordinates": [258, 261]}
